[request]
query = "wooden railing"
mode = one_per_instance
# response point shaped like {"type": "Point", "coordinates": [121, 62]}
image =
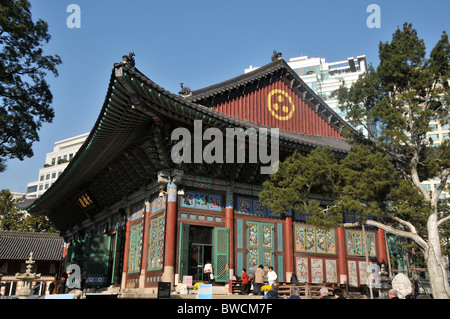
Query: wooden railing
{"type": "Point", "coordinates": [306, 290]}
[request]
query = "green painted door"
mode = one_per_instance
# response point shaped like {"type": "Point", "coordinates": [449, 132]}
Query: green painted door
{"type": "Point", "coordinates": [260, 245]}
{"type": "Point", "coordinates": [97, 263]}
{"type": "Point", "coordinates": [221, 254]}
{"type": "Point", "coordinates": [183, 257]}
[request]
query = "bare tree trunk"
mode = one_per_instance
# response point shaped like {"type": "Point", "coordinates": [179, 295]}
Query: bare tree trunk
{"type": "Point", "coordinates": [433, 256]}
{"type": "Point", "coordinates": [438, 275]}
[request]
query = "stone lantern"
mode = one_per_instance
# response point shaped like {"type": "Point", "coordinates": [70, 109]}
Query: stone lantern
{"type": "Point", "coordinates": [27, 279]}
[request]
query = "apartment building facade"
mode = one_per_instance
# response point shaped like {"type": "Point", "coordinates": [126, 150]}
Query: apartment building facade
{"type": "Point", "coordinates": [55, 163]}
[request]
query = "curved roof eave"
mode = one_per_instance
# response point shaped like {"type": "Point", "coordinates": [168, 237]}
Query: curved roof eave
{"type": "Point", "coordinates": [98, 147]}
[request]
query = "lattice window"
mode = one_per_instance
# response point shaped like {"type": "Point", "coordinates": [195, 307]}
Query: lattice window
{"type": "Point", "coordinates": [355, 243]}
{"type": "Point", "coordinates": [156, 243]}
{"type": "Point", "coordinates": [315, 240]}
{"type": "Point", "coordinates": [134, 252]}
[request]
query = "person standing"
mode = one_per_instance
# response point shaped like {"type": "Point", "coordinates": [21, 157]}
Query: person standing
{"type": "Point", "coordinates": [271, 276]}
{"type": "Point", "coordinates": [84, 277]}
{"type": "Point", "coordinates": [245, 282]}
{"type": "Point", "coordinates": [258, 280]}
{"type": "Point", "coordinates": [208, 271]}
{"type": "Point", "coordinates": [62, 283]}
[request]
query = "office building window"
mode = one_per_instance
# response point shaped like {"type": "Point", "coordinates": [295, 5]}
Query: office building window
{"type": "Point", "coordinates": [32, 189]}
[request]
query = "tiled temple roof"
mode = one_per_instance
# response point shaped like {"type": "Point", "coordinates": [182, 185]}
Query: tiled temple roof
{"type": "Point", "coordinates": [18, 245]}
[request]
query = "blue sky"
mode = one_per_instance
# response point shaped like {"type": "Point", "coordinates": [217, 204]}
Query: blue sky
{"type": "Point", "coordinates": [199, 43]}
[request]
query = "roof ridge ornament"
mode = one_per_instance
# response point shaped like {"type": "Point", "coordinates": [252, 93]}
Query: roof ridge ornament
{"type": "Point", "coordinates": [276, 55]}
{"type": "Point", "coordinates": [129, 59]}
{"type": "Point", "coordinates": [185, 91]}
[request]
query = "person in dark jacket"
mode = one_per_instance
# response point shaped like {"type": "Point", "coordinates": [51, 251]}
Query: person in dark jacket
{"type": "Point", "coordinates": [273, 293]}
{"type": "Point", "coordinates": [338, 294]}
{"type": "Point", "coordinates": [62, 283]}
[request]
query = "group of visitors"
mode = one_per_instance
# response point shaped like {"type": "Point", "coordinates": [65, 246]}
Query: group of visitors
{"type": "Point", "coordinates": [59, 285]}
{"type": "Point", "coordinates": [257, 279]}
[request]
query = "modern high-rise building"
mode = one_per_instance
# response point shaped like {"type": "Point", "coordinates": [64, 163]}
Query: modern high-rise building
{"type": "Point", "coordinates": [437, 134]}
{"type": "Point", "coordinates": [55, 163]}
{"type": "Point", "coordinates": [325, 77]}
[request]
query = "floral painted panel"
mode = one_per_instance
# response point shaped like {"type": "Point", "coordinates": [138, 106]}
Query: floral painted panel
{"type": "Point", "coordinates": [331, 271]}
{"type": "Point", "coordinates": [253, 259]}
{"type": "Point", "coordinates": [260, 245]}
{"type": "Point", "coordinates": [371, 240]}
{"type": "Point", "coordinates": [153, 244]}
{"type": "Point", "coordinates": [321, 241]}
{"type": "Point", "coordinates": [310, 239]}
{"type": "Point", "coordinates": [253, 234]}
{"type": "Point", "coordinates": [156, 244]}
{"type": "Point", "coordinates": [316, 271]}
{"type": "Point", "coordinates": [302, 269]}
{"type": "Point", "coordinates": [267, 236]}
{"type": "Point", "coordinates": [267, 259]}
{"type": "Point", "coordinates": [300, 239]}
{"type": "Point", "coordinates": [331, 243]}
{"type": "Point", "coordinates": [314, 240]}
{"type": "Point", "coordinates": [134, 251]}
{"type": "Point", "coordinates": [352, 275]}
{"type": "Point", "coordinates": [355, 243]}
{"type": "Point", "coordinates": [160, 251]}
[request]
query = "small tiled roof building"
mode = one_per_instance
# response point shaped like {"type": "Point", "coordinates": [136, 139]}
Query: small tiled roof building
{"type": "Point", "coordinates": [15, 248]}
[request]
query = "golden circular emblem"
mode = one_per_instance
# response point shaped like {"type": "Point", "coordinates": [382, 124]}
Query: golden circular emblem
{"type": "Point", "coordinates": [280, 104]}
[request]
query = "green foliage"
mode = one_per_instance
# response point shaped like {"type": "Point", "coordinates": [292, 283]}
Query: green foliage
{"type": "Point", "coordinates": [12, 219]}
{"type": "Point", "coordinates": [397, 101]}
{"type": "Point", "coordinates": [363, 183]}
{"type": "Point", "coordinates": [297, 178]}
{"type": "Point", "coordinates": [25, 95]}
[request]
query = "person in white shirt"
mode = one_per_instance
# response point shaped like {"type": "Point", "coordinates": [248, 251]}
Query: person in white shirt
{"type": "Point", "coordinates": [208, 271]}
{"type": "Point", "coordinates": [271, 276]}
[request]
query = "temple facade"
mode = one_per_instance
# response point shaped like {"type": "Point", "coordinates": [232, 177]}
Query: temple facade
{"type": "Point", "coordinates": [132, 216]}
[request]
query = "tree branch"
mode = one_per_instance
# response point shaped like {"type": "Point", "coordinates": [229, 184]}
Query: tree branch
{"type": "Point", "coordinates": [443, 220]}
{"type": "Point", "coordinates": [414, 236]}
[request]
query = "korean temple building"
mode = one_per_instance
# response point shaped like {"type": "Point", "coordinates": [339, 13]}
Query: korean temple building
{"type": "Point", "coordinates": [132, 217]}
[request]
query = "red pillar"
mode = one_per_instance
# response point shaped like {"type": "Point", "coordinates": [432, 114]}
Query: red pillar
{"type": "Point", "coordinates": [289, 247]}
{"type": "Point", "coordinates": [171, 231]}
{"type": "Point", "coordinates": [229, 223]}
{"type": "Point", "coordinates": [342, 265]}
{"type": "Point", "coordinates": [381, 246]}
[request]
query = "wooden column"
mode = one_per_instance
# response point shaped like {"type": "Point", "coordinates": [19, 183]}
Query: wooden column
{"type": "Point", "coordinates": [288, 247]}
{"type": "Point", "coordinates": [126, 251]}
{"type": "Point", "coordinates": [146, 230]}
{"type": "Point", "coordinates": [381, 247]}
{"type": "Point", "coordinates": [342, 264]}
{"type": "Point", "coordinates": [171, 232]}
{"type": "Point", "coordinates": [229, 223]}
